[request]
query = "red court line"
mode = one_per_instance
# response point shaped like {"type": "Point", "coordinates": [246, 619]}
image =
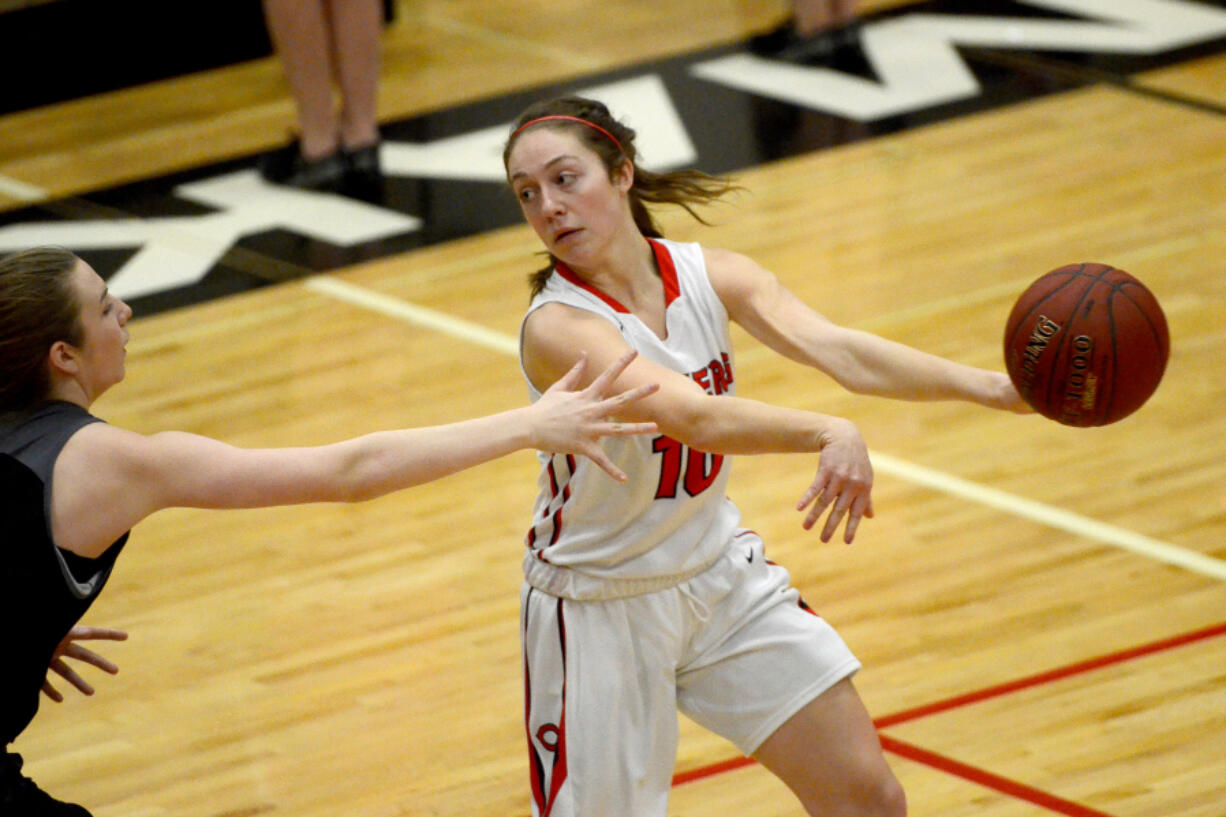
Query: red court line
{"type": "Point", "coordinates": [1050, 676]}
{"type": "Point", "coordinates": [735, 763]}
{"type": "Point", "coordinates": [984, 778]}
{"type": "Point", "coordinates": [979, 776]}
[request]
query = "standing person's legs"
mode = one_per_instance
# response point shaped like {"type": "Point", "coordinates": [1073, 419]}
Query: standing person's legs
{"type": "Point", "coordinates": [299, 31]}
{"type": "Point", "coordinates": [816, 29]}
{"type": "Point", "coordinates": [356, 26]}
{"type": "Point", "coordinates": [814, 16]}
{"type": "Point", "coordinates": [829, 756]}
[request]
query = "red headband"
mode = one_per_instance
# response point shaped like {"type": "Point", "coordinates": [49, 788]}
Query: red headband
{"type": "Point", "coordinates": [592, 125]}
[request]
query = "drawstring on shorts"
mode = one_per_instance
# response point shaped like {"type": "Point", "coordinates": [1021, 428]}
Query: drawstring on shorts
{"type": "Point", "coordinates": [700, 610]}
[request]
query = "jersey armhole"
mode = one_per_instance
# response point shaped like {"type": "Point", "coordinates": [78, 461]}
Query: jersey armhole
{"type": "Point", "coordinates": [533, 390]}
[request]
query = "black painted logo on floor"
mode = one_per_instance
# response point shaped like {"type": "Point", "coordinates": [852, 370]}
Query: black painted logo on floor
{"type": "Point", "coordinates": [177, 240]}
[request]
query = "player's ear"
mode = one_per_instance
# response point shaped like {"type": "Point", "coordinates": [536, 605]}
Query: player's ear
{"type": "Point", "coordinates": [623, 176]}
{"type": "Point", "coordinates": [63, 358]}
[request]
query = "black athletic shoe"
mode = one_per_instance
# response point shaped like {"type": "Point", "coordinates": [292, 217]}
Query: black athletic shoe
{"type": "Point", "coordinates": [363, 173]}
{"type": "Point", "coordinates": [20, 797]}
{"type": "Point", "coordinates": [288, 166]}
{"type": "Point", "coordinates": [783, 43]}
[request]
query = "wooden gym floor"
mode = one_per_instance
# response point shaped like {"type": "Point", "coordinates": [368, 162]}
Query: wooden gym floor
{"type": "Point", "coordinates": [1040, 610]}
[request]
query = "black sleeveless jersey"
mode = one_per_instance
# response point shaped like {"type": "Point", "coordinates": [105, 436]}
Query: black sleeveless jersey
{"type": "Point", "coordinates": [44, 591]}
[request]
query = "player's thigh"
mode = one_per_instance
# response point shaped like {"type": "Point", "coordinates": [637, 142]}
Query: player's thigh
{"type": "Point", "coordinates": [828, 753]}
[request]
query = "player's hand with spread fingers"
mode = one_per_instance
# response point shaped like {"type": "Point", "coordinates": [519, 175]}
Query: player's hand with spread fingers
{"type": "Point", "coordinates": [572, 422]}
{"type": "Point", "coordinates": [844, 482]}
{"type": "Point", "coordinates": [69, 648]}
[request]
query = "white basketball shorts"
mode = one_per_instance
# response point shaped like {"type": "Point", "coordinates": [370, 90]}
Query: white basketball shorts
{"type": "Point", "coordinates": [734, 648]}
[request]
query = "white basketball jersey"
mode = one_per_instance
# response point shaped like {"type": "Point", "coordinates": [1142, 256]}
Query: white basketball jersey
{"type": "Point", "coordinates": [593, 537]}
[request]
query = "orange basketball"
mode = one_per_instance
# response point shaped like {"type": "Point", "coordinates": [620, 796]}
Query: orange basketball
{"type": "Point", "coordinates": [1086, 344]}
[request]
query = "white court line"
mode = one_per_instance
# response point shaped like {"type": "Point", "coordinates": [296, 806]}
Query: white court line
{"type": "Point", "coordinates": [1052, 517]}
{"type": "Point", "coordinates": [419, 315]}
{"type": "Point", "coordinates": [918, 474]}
{"type": "Point", "coordinates": [21, 191]}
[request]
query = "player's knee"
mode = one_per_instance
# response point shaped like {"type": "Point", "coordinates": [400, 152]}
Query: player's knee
{"type": "Point", "coordinates": [890, 799]}
{"type": "Point", "coordinates": [879, 796]}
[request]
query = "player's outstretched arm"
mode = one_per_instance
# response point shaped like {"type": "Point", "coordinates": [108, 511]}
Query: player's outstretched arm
{"type": "Point", "coordinates": [563, 421]}
{"type": "Point", "coordinates": [108, 479]}
{"type": "Point", "coordinates": [859, 361]}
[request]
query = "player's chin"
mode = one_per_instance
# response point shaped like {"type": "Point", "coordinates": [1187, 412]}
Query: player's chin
{"type": "Point", "coordinates": [565, 242]}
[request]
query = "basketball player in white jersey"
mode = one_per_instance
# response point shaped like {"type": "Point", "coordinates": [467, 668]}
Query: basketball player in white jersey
{"type": "Point", "coordinates": [645, 597]}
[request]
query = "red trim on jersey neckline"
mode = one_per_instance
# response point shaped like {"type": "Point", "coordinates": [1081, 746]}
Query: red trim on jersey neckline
{"type": "Point", "coordinates": [664, 262]}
